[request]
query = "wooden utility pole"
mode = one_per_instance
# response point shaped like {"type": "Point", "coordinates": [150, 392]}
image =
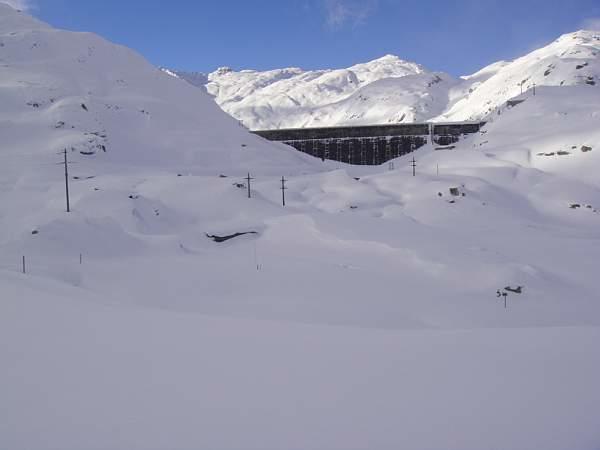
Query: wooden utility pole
{"type": "Point", "coordinates": [249, 179]}
{"type": "Point", "coordinates": [414, 167]}
{"type": "Point", "coordinates": [283, 189]}
{"type": "Point", "coordinates": [67, 180]}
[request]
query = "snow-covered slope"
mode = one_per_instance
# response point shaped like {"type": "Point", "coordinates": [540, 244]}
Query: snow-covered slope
{"type": "Point", "coordinates": [364, 314]}
{"type": "Point", "coordinates": [572, 60]}
{"type": "Point", "coordinates": [105, 103]}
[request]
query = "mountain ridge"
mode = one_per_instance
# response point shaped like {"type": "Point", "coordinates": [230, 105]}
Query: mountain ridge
{"type": "Point", "coordinates": [293, 97]}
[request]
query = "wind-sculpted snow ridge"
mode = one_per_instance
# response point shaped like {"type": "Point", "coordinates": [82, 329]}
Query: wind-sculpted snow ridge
{"type": "Point", "coordinates": [170, 311]}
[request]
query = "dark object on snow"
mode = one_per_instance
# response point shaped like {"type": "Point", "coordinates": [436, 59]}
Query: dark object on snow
{"type": "Point", "coordinates": [84, 107]}
{"type": "Point", "coordinates": [585, 148]}
{"type": "Point", "coordinates": [455, 191]}
{"type": "Point", "coordinates": [222, 176]}
{"type": "Point", "coordinates": [239, 185]}
{"type": "Point", "coordinates": [440, 194]}
{"type": "Point", "coordinates": [563, 153]}
{"type": "Point", "coordinates": [575, 205]}
{"type": "Point", "coordinates": [134, 197]}
{"type": "Point", "coordinates": [353, 207]}
{"type": "Point", "coordinates": [447, 147]}
{"type": "Point", "coordinates": [34, 232]}
{"type": "Point", "coordinates": [226, 238]}
{"type": "Point", "coordinates": [514, 102]}
{"type": "Point", "coordinates": [87, 153]}
{"type": "Point", "coordinates": [517, 290]}
{"type": "Point", "coordinates": [357, 178]}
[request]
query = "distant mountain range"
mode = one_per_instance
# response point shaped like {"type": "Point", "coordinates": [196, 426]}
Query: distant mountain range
{"type": "Point", "coordinates": [391, 90]}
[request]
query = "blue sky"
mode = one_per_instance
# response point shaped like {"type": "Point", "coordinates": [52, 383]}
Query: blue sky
{"type": "Point", "coordinates": [458, 37]}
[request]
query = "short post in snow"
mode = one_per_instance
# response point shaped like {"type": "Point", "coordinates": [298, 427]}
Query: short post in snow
{"type": "Point", "coordinates": [505, 295]}
{"type": "Point", "coordinates": [414, 167]}
{"type": "Point", "coordinates": [24, 271]}
{"type": "Point", "coordinates": [249, 179]}
{"type": "Point", "coordinates": [283, 189]}
{"type": "Point", "coordinates": [534, 89]}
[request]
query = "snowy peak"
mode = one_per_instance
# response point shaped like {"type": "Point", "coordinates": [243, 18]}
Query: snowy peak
{"type": "Point", "coordinates": [388, 66]}
{"type": "Point", "coordinates": [108, 105]}
{"type": "Point", "coordinates": [571, 60]}
{"type": "Point", "coordinates": [293, 97]}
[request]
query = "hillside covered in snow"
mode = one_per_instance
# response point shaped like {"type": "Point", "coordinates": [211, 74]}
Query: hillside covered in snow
{"type": "Point", "coordinates": [168, 310]}
{"type": "Point", "coordinates": [390, 90]}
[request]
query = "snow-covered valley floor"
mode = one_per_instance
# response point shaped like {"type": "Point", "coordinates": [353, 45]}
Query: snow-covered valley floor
{"type": "Point", "coordinates": [371, 320]}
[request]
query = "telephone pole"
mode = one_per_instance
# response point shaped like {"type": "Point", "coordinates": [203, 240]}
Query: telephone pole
{"type": "Point", "coordinates": [414, 167]}
{"type": "Point", "coordinates": [249, 179]}
{"type": "Point", "coordinates": [66, 163]}
{"type": "Point", "coordinates": [283, 189]}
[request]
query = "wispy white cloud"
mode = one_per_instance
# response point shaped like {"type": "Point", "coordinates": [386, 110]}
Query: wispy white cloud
{"type": "Point", "coordinates": [591, 23]}
{"type": "Point", "coordinates": [348, 12]}
{"type": "Point", "coordinates": [24, 5]}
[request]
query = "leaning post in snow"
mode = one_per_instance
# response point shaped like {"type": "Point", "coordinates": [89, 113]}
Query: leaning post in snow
{"type": "Point", "coordinates": [248, 179]}
{"type": "Point", "coordinates": [283, 189]}
{"type": "Point", "coordinates": [414, 167]}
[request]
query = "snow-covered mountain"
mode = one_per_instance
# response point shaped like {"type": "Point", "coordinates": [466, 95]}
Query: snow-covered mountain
{"type": "Point", "coordinates": [365, 313]}
{"type": "Point", "coordinates": [571, 60]}
{"type": "Point", "coordinates": [105, 103]}
{"type": "Point", "coordinates": [381, 91]}
{"type": "Point", "coordinates": [390, 90]}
